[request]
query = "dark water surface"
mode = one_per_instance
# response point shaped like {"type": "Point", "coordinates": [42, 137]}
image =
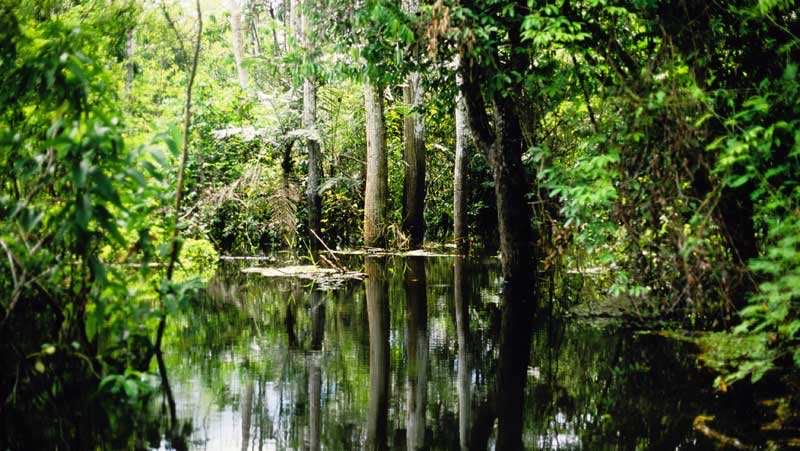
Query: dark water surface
{"type": "Point", "coordinates": [409, 360]}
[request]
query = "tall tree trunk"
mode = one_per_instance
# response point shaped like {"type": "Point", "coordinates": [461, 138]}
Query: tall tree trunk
{"type": "Point", "coordinates": [413, 153]}
{"type": "Point", "coordinates": [236, 41]}
{"type": "Point", "coordinates": [502, 138]}
{"type": "Point", "coordinates": [377, 171]}
{"type": "Point", "coordinates": [460, 234]}
{"type": "Point", "coordinates": [417, 346]}
{"type": "Point", "coordinates": [251, 20]}
{"type": "Point", "coordinates": [378, 317]}
{"type": "Point", "coordinates": [287, 18]}
{"type": "Point", "coordinates": [295, 20]}
{"type": "Point", "coordinates": [414, 159]}
{"type": "Point", "coordinates": [519, 269]}
{"type": "Point", "coordinates": [276, 48]}
{"type": "Point", "coordinates": [130, 48]}
{"type": "Point", "coordinates": [312, 145]}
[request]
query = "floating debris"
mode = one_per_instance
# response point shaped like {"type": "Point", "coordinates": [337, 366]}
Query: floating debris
{"type": "Point", "coordinates": [328, 278]}
{"type": "Point", "coordinates": [380, 252]}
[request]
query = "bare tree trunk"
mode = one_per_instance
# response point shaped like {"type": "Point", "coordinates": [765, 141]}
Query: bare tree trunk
{"type": "Point", "coordinates": [312, 145]}
{"type": "Point", "coordinates": [503, 140]}
{"type": "Point", "coordinates": [287, 14]}
{"type": "Point", "coordinates": [276, 48]}
{"type": "Point", "coordinates": [378, 317]}
{"type": "Point", "coordinates": [130, 48]}
{"type": "Point", "coordinates": [460, 233]}
{"type": "Point", "coordinates": [236, 41]}
{"type": "Point", "coordinates": [377, 171]}
{"type": "Point", "coordinates": [251, 21]}
{"type": "Point", "coordinates": [413, 154]}
{"type": "Point", "coordinates": [414, 159]}
{"type": "Point", "coordinates": [295, 19]}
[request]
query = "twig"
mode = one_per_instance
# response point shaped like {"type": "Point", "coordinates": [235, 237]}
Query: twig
{"type": "Point", "coordinates": [187, 119]}
{"type": "Point", "coordinates": [10, 262]}
{"type": "Point", "coordinates": [182, 48]}
{"type": "Point", "coordinates": [339, 265]}
{"type": "Point", "coordinates": [701, 427]}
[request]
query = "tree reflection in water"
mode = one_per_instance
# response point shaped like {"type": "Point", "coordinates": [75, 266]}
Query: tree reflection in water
{"type": "Point", "coordinates": [415, 285]}
{"type": "Point", "coordinates": [378, 313]}
{"type": "Point", "coordinates": [424, 354]}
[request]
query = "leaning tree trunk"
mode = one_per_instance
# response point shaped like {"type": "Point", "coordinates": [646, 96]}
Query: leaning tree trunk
{"type": "Point", "coordinates": [236, 41]}
{"type": "Point", "coordinates": [460, 236]}
{"type": "Point", "coordinates": [413, 154]}
{"type": "Point", "coordinates": [312, 146]}
{"type": "Point", "coordinates": [519, 268]}
{"type": "Point", "coordinates": [502, 138]}
{"type": "Point", "coordinates": [377, 171]}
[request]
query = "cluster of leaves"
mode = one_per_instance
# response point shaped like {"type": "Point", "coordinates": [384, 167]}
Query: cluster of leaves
{"type": "Point", "coordinates": [80, 213]}
{"type": "Point", "coordinates": [686, 181]}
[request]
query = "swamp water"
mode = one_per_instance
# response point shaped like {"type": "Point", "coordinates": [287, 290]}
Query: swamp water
{"type": "Point", "coordinates": [410, 362]}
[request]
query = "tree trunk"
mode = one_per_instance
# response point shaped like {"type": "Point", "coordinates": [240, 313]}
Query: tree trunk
{"type": "Point", "coordinates": [502, 138]}
{"type": "Point", "coordinates": [378, 317]}
{"type": "Point", "coordinates": [413, 154]}
{"type": "Point", "coordinates": [251, 20]}
{"type": "Point", "coordinates": [312, 146]}
{"type": "Point", "coordinates": [414, 159]}
{"type": "Point", "coordinates": [130, 48]}
{"type": "Point", "coordinates": [236, 41]}
{"type": "Point", "coordinates": [519, 269]}
{"type": "Point", "coordinates": [377, 171]}
{"type": "Point", "coordinates": [295, 19]}
{"type": "Point", "coordinates": [460, 234]}
{"type": "Point", "coordinates": [276, 48]}
{"type": "Point", "coordinates": [287, 17]}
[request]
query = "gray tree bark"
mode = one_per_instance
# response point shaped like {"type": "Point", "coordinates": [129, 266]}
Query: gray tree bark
{"type": "Point", "coordinates": [295, 21]}
{"type": "Point", "coordinates": [130, 49]}
{"type": "Point", "coordinates": [236, 40]}
{"type": "Point", "coordinates": [460, 233]}
{"type": "Point", "coordinates": [414, 154]}
{"type": "Point", "coordinates": [377, 172]}
{"type": "Point", "coordinates": [309, 121]}
{"type": "Point", "coordinates": [414, 159]}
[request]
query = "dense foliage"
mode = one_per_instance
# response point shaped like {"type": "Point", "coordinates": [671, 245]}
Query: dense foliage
{"type": "Point", "coordinates": [653, 144]}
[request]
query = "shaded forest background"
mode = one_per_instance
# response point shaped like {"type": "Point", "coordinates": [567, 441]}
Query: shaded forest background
{"type": "Point", "coordinates": [654, 144]}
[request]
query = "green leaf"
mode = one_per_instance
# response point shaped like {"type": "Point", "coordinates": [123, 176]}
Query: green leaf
{"type": "Point", "coordinates": [739, 181]}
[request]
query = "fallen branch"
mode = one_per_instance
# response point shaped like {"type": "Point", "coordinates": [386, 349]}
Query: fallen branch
{"type": "Point", "coordinates": [338, 265]}
{"type": "Point", "coordinates": [726, 440]}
